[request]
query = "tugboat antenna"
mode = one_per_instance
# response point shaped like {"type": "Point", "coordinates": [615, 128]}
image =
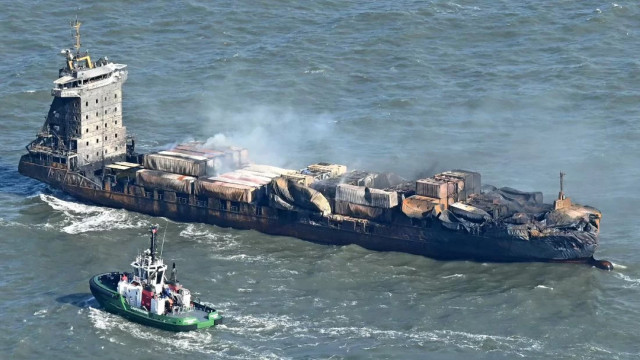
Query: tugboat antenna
{"type": "Point", "coordinates": [164, 236]}
{"type": "Point", "coordinates": [152, 248]}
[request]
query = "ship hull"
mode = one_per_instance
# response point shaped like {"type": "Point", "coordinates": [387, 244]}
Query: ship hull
{"type": "Point", "coordinates": [103, 287]}
{"type": "Point", "coordinates": [438, 242]}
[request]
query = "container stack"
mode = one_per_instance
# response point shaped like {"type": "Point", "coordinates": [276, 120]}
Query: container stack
{"type": "Point", "coordinates": [443, 191]}
{"type": "Point", "coordinates": [187, 165]}
{"type": "Point", "coordinates": [155, 179]}
{"type": "Point", "coordinates": [225, 190]}
{"type": "Point", "coordinates": [364, 202]}
{"type": "Point", "coordinates": [468, 182]}
{"type": "Point", "coordinates": [246, 185]}
{"type": "Point", "coordinates": [192, 160]}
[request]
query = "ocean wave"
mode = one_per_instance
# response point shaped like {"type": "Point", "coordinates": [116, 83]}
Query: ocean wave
{"type": "Point", "coordinates": [80, 218]}
{"type": "Point", "coordinates": [111, 327]}
{"type": "Point", "coordinates": [269, 326]}
{"type": "Point", "coordinates": [453, 276]}
{"type": "Point", "coordinates": [634, 282]}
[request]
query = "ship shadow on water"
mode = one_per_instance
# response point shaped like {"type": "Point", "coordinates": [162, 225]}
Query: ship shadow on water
{"type": "Point", "coordinates": [80, 300]}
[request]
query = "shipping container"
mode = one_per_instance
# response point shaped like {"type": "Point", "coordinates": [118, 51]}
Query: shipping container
{"type": "Point", "coordinates": [246, 176]}
{"type": "Point", "coordinates": [475, 186]}
{"type": "Point", "coordinates": [470, 182]}
{"type": "Point", "coordinates": [269, 169]}
{"type": "Point", "coordinates": [226, 190]}
{"type": "Point", "coordinates": [436, 188]}
{"type": "Point", "coordinates": [333, 169]}
{"type": "Point", "coordinates": [366, 196]}
{"type": "Point", "coordinates": [176, 165]}
{"type": "Point", "coordinates": [363, 211]}
{"type": "Point", "coordinates": [154, 179]}
{"type": "Point", "coordinates": [301, 179]}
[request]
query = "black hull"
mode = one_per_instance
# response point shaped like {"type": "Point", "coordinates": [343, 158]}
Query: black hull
{"type": "Point", "coordinates": [430, 240]}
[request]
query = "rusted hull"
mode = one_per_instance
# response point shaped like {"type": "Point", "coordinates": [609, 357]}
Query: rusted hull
{"type": "Point", "coordinates": [432, 241]}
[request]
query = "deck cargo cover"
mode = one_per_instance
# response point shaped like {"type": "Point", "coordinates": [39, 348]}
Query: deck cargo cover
{"type": "Point", "coordinates": [163, 180]}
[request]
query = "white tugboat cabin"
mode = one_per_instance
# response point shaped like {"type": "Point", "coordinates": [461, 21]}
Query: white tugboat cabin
{"type": "Point", "coordinates": [148, 290]}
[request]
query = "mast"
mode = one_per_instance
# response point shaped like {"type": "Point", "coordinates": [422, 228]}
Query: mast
{"type": "Point", "coordinates": [152, 247]}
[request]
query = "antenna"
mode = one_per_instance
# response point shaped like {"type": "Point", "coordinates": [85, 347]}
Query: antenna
{"type": "Point", "coordinates": [561, 194]}
{"type": "Point", "coordinates": [164, 235]}
{"type": "Point", "coordinates": [152, 248]}
{"type": "Point", "coordinates": [76, 25]}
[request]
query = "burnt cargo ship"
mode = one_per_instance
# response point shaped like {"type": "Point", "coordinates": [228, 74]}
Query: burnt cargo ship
{"type": "Point", "coordinates": [83, 149]}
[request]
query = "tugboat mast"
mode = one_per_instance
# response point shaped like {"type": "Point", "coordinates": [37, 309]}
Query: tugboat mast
{"type": "Point", "coordinates": [152, 247]}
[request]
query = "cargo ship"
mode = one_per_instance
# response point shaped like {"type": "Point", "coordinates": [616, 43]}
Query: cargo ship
{"type": "Point", "coordinates": [83, 149]}
{"type": "Point", "coordinates": [146, 296]}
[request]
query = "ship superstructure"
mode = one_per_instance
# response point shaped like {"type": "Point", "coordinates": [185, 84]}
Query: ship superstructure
{"type": "Point", "coordinates": [83, 130]}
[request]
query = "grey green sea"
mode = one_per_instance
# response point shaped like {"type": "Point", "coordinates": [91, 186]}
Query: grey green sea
{"type": "Point", "coordinates": [517, 90]}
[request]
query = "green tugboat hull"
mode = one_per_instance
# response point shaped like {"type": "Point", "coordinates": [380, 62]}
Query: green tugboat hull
{"type": "Point", "coordinates": [104, 289]}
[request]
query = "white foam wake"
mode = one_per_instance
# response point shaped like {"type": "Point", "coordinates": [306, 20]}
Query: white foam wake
{"type": "Point", "coordinates": [80, 218]}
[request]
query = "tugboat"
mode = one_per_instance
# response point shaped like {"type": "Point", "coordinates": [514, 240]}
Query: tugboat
{"type": "Point", "coordinates": [147, 297]}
